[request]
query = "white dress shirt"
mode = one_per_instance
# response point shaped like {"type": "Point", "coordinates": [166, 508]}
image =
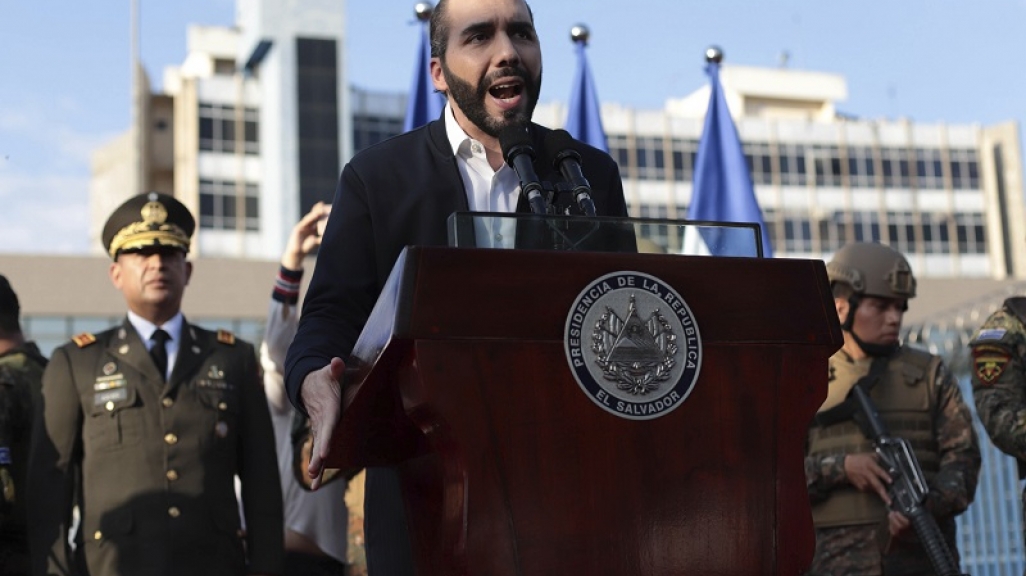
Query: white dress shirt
{"type": "Point", "coordinates": [487, 190]}
{"type": "Point", "coordinates": [173, 327]}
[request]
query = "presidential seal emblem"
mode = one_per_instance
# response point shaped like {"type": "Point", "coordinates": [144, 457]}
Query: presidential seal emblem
{"type": "Point", "coordinates": [633, 345]}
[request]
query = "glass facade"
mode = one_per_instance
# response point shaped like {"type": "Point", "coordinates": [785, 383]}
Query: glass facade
{"type": "Point", "coordinates": [848, 173]}
{"type": "Point", "coordinates": [318, 120]}
{"type": "Point", "coordinates": [369, 129]}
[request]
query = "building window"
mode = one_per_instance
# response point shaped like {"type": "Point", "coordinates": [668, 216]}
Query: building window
{"type": "Point", "coordinates": [651, 158]}
{"type": "Point", "coordinates": [866, 227]}
{"type": "Point", "coordinates": [224, 67]}
{"type": "Point", "coordinates": [760, 162]}
{"type": "Point", "coordinates": [797, 234]}
{"type": "Point", "coordinates": [618, 150]}
{"type": "Point", "coordinates": [217, 129]}
{"type": "Point", "coordinates": [896, 169]}
{"type": "Point", "coordinates": [861, 170]}
{"type": "Point", "coordinates": [832, 232]}
{"type": "Point", "coordinates": [684, 154]}
{"type": "Point", "coordinates": [929, 169]}
{"type": "Point", "coordinates": [901, 232]}
{"type": "Point", "coordinates": [792, 165]}
{"type": "Point", "coordinates": [936, 238]}
{"type": "Point", "coordinates": [221, 208]}
{"type": "Point", "coordinates": [972, 238]}
{"type": "Point", "coordinates": [369, 129]}
{"type": "Point", "coordinates": [828, 165]}
{"type": "Point", "coordinates": [965, 171]}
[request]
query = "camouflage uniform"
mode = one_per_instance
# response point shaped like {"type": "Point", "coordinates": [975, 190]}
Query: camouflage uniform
{"type": "Point", "coordinates": [21, 371]}
{"type": "Point", "coordinates": [866, 549]}
{"type": "Point", "coordinates": [999, 380]}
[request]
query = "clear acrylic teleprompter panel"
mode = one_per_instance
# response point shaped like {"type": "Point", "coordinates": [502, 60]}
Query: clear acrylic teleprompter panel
{"type": "Point", "coordinates": [603, 234]}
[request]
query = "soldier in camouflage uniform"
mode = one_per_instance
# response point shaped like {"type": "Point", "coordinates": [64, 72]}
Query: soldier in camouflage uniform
{"type": "Point", "coordinates": [21, 370]}
{"type": "Point", "coordinates": [999, 379]}
{"type": "Point", "coordinates": [918, 399]}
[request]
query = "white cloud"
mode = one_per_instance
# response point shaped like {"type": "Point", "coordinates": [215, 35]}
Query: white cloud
{"type": "Point", "coordinates": [44, 179]}
{"type": "Point", "coordinates": [44, 214]}
{"type": "Point", "coordinates": [32, 137]}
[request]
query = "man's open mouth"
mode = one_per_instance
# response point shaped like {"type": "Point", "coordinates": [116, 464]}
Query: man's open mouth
{"type": "Point", "coordinates": [506, 91]}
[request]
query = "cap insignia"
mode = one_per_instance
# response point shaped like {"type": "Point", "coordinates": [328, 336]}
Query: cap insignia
{"type": "Point", "coordinates": [154, 213]}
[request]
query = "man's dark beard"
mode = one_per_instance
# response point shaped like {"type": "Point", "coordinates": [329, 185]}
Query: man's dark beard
{"type": "Point", "coordinates": [471, 99]}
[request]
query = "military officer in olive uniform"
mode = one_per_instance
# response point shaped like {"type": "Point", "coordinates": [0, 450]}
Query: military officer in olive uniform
{"type": "Point", "coordinates": [999, 379]}
{"type": "Point", "coordinates": [154, 418]}
{"type": "Point", "coordinates": [918, 400]}
{"type": "Point", "coordinates": [21, 371]}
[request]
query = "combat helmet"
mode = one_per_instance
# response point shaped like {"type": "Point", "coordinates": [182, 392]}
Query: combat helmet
{"type": "Point", "coordinates": [872, 269]}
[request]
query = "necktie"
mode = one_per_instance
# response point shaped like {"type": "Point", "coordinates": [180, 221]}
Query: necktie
{"type": "Point", "coordinates": [159, 352]}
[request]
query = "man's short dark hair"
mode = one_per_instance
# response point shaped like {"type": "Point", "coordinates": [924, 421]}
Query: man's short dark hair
{"type": "Point", "coordinates": [439, 28]}
{"type": "Point", "coordinates": [842, 290]}
{"type": "Point", "coordinates": [10, 309]}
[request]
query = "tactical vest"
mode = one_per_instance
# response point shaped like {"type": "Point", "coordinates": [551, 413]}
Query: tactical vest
{"type": "Point", "coordinates": [905, 397]}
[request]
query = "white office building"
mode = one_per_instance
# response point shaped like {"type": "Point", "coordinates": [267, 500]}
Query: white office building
{"type": "Point", "coordinates": [249, 131]}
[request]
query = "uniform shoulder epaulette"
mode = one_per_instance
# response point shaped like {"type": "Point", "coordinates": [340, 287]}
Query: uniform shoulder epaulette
{"type": "Point", "coordinates": [84, 339]}
{"type": "Point", "coordinates": [226, 337]}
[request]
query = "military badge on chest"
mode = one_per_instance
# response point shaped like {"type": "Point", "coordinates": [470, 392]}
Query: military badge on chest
{"type": "Point", "coordinates": [110, 389]}
{"type": "Point", "coordinates": [216, 385]}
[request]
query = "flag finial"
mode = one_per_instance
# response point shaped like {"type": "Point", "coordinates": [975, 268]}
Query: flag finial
{"type": "Point", "coordinates": [714, 54]}
{"type": "Point", "coordinates": [579, 34]}
{"type": "Point", "coordinates": [423, 10]}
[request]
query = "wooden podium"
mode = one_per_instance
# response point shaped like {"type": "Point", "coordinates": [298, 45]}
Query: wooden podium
{"type": "Point", "coordinates": [508, 468]}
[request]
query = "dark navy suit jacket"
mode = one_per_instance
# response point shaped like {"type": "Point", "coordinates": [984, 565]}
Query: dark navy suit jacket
{"type": "Point", "coordinates": [397, 193]}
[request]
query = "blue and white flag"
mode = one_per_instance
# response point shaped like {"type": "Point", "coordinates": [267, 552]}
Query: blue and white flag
{"type": "Point", "coordinates": [584, 118]}
{"type": "Point", "coordinates": [424, 104]}
{"type": "Point", "coordinates": [722, 188]}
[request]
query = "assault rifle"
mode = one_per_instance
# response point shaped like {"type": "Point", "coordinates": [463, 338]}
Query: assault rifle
{"type": "Point", "coordinates": [908, 487]}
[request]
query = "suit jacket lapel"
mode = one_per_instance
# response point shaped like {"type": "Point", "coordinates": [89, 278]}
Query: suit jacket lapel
{"type": "Point", "coordinates": [128, 347]}
{"type": "Point", "coordinates": [193, 350]}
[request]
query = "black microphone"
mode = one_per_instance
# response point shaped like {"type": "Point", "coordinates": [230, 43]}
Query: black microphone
{"type": "Point", "coordinates": [518, 152]}
{"type": "Point", "coordinates": [560, 146]}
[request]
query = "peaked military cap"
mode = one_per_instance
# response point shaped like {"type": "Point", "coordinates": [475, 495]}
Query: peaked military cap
{"type": "Point", "coordinates": [150, 219]}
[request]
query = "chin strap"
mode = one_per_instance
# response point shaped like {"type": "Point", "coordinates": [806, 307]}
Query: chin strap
{"type": "Point", "coordinates": [870, 349]}
{"type": "Point", "coordinates": [853, 303]}
{"type": "Point", "coordinates": [875, 350]}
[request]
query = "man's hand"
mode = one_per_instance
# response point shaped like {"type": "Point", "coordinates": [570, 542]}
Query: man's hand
{"type": "Point", "coordinates": [305, 236]}
{"type": "Point", "coordinates": [897, 523]}
{"type": "Point", "coordinates": [322, 397]}
{"type": "Point", "coordinates": [865, 473]}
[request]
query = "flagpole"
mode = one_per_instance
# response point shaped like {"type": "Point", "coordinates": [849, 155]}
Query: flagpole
{"type": "Point", "coordinates": [723, 189]}
{"type": "Point", "coordinates": [584, 116]}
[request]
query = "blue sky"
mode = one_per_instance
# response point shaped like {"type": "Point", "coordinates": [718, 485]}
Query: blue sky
{"type": "Point", "coordinates": [64, 71]}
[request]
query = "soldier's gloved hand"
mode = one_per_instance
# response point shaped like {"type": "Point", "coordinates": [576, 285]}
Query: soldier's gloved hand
{"type": "Point", "coordinates": [865, 474]}
{"type": "Point", "coordinates": [322, 398]}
